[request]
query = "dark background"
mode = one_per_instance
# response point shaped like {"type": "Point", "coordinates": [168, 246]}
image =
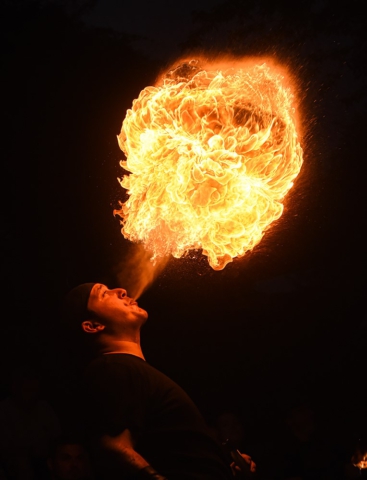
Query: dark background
{"type": "Point", "coordinates": [282, 326]}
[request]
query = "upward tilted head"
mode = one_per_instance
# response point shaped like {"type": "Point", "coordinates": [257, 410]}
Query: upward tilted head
{"type": "Point", "coordinates": [93, 308]}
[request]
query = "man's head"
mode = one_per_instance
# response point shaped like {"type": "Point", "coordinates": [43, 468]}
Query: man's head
{"type": "Point", "coordinates": [69, 460]}
{"type": "Point", "coordinates": [93, 308]}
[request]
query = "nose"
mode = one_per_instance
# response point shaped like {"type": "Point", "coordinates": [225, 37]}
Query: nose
{"type": "Point", "coordinates": [122, 292]}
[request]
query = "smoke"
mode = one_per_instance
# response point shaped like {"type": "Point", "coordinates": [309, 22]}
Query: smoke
{"type": "Point", "coordinates": [138, 271]}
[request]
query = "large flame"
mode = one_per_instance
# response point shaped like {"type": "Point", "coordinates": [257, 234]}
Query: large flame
{"type": "Point", "coordinates": [211, 151]}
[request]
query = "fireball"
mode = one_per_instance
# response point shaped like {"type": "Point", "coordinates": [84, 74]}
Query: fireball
{"type": "Point", "coordinates": [211, 151]}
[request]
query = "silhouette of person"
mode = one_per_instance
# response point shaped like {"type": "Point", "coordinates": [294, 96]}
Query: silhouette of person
{"type": "Point", "coordinates": [142, 424]}
{"type": "Point", "coordinates": [308, 452]}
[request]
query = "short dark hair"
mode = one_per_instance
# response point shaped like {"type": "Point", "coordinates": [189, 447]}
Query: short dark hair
{"type": "Point", "coordinates": [74, 309]}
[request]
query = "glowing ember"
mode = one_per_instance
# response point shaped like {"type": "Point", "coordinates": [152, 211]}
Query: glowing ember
{"type": "Point", "coordinates": [211, 151]}
{"type": "Point", "coordinates": [359, 459]}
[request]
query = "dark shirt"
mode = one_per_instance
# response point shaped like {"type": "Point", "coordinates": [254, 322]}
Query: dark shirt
{"type": "Point", "coordinates": [124, 391]}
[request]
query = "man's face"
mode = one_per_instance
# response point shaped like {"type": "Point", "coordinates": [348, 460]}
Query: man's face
{"type": "Point", "coordinates": [70, 463]}
{"type": "Point", "coordinates": [115, 307]}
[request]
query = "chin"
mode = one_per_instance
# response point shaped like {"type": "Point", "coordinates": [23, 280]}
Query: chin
{"type": "Point", "coordinates": [144, 316]}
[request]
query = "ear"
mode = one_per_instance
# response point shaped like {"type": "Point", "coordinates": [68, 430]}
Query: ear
{"type": "Point", "coordinates": [92, 327]}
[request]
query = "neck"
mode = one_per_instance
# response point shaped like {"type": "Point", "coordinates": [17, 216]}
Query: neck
{"type": "Point", "coordinates": [123, 346]}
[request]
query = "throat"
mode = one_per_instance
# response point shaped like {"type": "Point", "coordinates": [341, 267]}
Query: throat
{"type": "Point", "coordinates": [124, 346]}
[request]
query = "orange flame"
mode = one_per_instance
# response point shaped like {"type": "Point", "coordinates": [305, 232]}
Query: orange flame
{"type": "Point", "coordinates": [137, 272]}
{"type": "Point", "coordinates": [211, 152]}
{"type": "Point", "coordinates": [359, 459]}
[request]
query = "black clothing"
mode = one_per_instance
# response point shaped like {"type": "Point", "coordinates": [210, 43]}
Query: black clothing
{"type": "Point", "coordinates": [124, 391]}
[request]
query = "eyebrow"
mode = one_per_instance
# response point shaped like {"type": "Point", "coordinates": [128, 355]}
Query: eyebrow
{"type": "Point", "coordinates": [99, 288]}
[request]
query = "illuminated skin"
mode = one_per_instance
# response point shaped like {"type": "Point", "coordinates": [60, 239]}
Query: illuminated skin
{"type": "Point", "coordinates": [116, 319]}
{"type": "Point", "coordinates": [115, 305]}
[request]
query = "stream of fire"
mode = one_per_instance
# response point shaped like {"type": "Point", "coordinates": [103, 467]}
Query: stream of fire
{"type": "Point", "coordinates": [211, 151]}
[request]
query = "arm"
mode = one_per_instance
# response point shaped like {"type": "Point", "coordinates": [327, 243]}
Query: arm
{"type": "Point", "coordinates": [122, 448]}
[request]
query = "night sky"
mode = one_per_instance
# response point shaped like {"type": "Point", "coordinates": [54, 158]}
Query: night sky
{"type": "Point", "coordinates": [284, 325]}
